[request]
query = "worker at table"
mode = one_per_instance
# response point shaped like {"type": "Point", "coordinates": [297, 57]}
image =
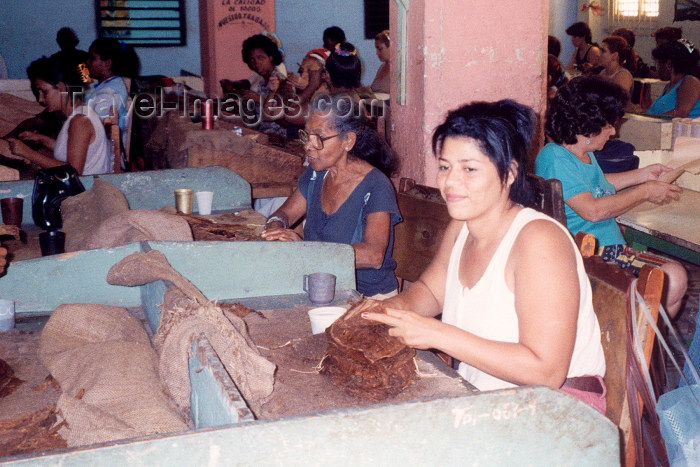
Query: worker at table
{"type": "Point", "coordinates": [496, 262]}
{"type": "Point", "coordinates": [677, 62]}
{"type": "Point", "coordinates": [580, 120]}
{"type": "Point", "coordinates": [345, 193]}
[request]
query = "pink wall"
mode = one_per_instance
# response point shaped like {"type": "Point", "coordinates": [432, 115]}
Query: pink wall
{"type": "Point", "coordinates": [461, 52]}
{"type": "Point", "coordinates": [224, 26]}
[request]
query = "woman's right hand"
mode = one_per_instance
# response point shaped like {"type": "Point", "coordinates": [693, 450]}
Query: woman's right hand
{"type": "Point", "coordinates": [662, 193]}
{"type": "Point", "coordinates": [281, 235]}
{"type": "Point", "coordinates": [31, 136]}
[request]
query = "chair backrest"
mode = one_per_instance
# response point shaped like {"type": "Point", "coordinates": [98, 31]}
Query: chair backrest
{"type": "Point", "coordinates": [111, 125]}
{"type": "Point", "coordinates": [548, 196]}
{"type": "Point", "coordinates": [610, 283]}
{"type": "Point", "coordinates": [417, 238]}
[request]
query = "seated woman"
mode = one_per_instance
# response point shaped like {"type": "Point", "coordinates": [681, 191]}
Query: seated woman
{"type": "Point", "coordinates": [587, 55]}
{"type": "Point", "coordinates": [677, 62]}
{"type": "Point", "coordinates": [616, 60]}
{"type": "Point", "coordinates": [496, 261]}
{"type": "Point", "coordinates": [109, 62]}
{"type": "Point", "coordinates": [382, 80]}
{"type": "Point", "coordinates": [345, 193]}
{"type": "Point", "coordinates": [82, 141]}
{"type": "Point", "coordinates": [309, 80]}
{"type": "Point", "coordinates": [264, 58]}
{"type": "Point", "coordinates": [637, 66]}
{"type": "Point", "coordinates": [580, 119]}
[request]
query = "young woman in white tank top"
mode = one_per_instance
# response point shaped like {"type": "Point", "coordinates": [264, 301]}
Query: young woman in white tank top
{"type": "Point", "coordinates": [514, 296]}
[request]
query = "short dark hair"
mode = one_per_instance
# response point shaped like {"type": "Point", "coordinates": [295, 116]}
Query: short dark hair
{"type": "Point", "coordinates": [682, 59]}
{"type": "Point", "coordinates": [553, 46]}
{"type": "Point", "coordinates": [344, 66]}
{"type": "Point", "coordinates": [503, 130]}
{"type": "Point", "coordinates": [54, 71]}
{"type": "Point", "coordinates": [260, 41]}
{"type": "Point", "coordinates": [668, 33]}
{"type": "Point", "coordinates": [627, 34]}
{"type": "Point", "coordinates": [345, 117]}
{"type": "Point", "coordinates": [66, 38]}
{"type": "Point", "coordinates": [334, 33]}
{"type": "Point", "coordinates": [580, 29]}
{"type": "Point", "coordinates": [125, 62]}
{"type": "Point", "coordinates": [584, 106]}
{"type": "Point", "coordinates": [624, 51]}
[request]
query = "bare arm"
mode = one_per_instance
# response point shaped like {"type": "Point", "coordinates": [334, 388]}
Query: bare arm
{"type": "Point", "coordinates": [572, 61]}
{"type": "Point", "coordinates": [547, 328]}
{"type": "Point", "coordinates": [688, 95]}
{"type": "Point", "coordinates": [369, 253]}
{"type": "Point", "coordinates": [46, 141]}
{"type": "Point", "coordinates": [80, 134]}
{"type": "Point", "coordinates": [19, 148]}
{"type": "Point", "coordinates": [290, 212]}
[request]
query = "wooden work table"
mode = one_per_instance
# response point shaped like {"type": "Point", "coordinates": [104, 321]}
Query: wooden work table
{"type": "Point", "coordinates": [673, 228]}
{"type": "Point", "coordinates": [271, 169]}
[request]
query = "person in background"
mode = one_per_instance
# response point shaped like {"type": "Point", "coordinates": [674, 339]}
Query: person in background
{"type": "Point", "coordinates": [556, 76]}
{"type": "Point", "coordinates": [616, 60]}
{"type": "Point", "coordinates": [345, 193]}
{"type": "Point", "coordinates": [637, 67]}
{"type": "Point", "coordinates": [82, 141]}
{"type": "Point", "coordinates": [332, 36]}
{"type": "Point", "coordinates": [68, 40]}
{"type": "Point", "coordinates": [667, 34]}
{"type": "Point", "coordinates": [309, 79]}
{"type": "Point", "coordinates": [677, 62]}
{"type": "Point", "coordinates": [109, 62]}
{"type": "Point", "coordinates": [580, 119]}
{"type": "Point", "coordinates": [496, 261]}
{"type": "Point", "coordinates": [382, 80]}
{"type": "Point", "coordinates": [553, 46]}
{"type": "Point", "coordinates": [586, 57]}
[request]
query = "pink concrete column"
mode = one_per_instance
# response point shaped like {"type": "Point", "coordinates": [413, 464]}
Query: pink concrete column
{"type": "Point", "coordinates": [223, 26]}
{"type": "Point", "coordinates": [458, 52]}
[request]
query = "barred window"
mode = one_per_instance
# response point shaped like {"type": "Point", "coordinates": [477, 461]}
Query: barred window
{"type": "Point", "coordinates": [629, 9]}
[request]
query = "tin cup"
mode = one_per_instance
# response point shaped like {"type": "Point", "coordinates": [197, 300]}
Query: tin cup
{"type": "Point", "coordinates": [320, 286]}
{"type": "Point", "coordinates": [183, 200]}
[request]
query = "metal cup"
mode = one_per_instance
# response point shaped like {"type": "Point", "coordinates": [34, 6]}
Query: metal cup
{"type": "Point", "coordinates": [183, 200]}
{"type": "Point", "coordinates": [320, 286]}
{"type": "Point", "coordinates": [12, 211]}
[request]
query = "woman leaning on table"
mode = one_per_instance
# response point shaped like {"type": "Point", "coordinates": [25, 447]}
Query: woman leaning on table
{"type": "Point", "coordinates": [345, 193]}
{"type": "Point", "coordinates": [82, 142]}
{"type": "Point", "coordinates": [496, 261]}
{"type": "Point", "coordinates": [580, 119]}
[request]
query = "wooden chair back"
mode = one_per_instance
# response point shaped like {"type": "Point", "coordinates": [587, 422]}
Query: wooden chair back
{"type": "Point", "coordinates": [609, 284]}
{"type": "Point", "coordinates": [417, 238]}
{"type": "Point", "coordinates": [111, 125]}
{"type": "Point", "coordinates": [548, 196]}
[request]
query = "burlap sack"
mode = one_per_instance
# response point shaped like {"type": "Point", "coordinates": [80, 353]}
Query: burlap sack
{"type": "Point", "coordinates": [82, 212]}
{"type": "Point", "coordinates": [103, 360]}
{"type": "Point", "coordinates": [137, 226]}
{"type": "Point", "coordinates": [186, 313]}
{"type": "Point", "coordinates": [227, 334]}
{"type": "Point", "coordinates": [142, 268]}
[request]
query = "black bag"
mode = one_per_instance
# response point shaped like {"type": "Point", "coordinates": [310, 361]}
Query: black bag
{"type": "Point", "coordinates": [51, 187]}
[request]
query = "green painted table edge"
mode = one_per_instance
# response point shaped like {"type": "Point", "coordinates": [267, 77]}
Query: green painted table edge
{"type": "Point", "coordinates": [643, 241]}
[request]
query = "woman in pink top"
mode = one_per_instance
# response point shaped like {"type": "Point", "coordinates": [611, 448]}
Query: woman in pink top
{"type": "Point", "coordinates": [496, 262]}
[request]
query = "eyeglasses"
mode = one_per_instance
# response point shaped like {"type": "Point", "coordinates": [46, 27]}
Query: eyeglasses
{"type": "Point", "coordinates": [315, 140]}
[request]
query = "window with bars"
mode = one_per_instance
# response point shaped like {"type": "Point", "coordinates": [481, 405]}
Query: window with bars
{"type": "Point", "coordinates": [639, 9]}
{"type": "Point", "coordinates": [143, 23]}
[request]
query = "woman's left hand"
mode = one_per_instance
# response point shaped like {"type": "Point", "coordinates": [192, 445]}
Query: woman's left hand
{"type": "Point", "coordinates": [281, 235]}
{"type": "Point", "coordinates": [653, 172]}
{"type": "Point", "coordinates": [411, 328]}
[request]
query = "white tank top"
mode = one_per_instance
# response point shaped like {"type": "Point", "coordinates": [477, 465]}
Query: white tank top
{"type": "Point", "coordinates": [488, 309]}
{"type": "Point", "coordinates": [98, 159]}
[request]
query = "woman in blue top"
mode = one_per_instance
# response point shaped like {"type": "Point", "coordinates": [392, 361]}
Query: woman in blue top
{"type": "Point", "coordinates": [345, 193]}
{"type": "Point", "coordinates": [580, 119]}
{"type": "Point", "coordinates": [677, 62]}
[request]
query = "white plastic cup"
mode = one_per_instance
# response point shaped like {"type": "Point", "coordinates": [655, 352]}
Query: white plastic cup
{"type": "Point", "coordinates": [7, 315]}
{"type": "Point", "coordinates": [204, 201]}
{"type": "Point", "coordinates": [324, 316]}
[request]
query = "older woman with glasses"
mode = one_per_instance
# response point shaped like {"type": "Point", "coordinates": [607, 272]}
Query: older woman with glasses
{"type": "Point", "coordinates": [345, 193]}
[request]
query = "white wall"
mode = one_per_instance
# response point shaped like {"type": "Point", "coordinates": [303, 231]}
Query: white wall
{"type": "Point", "coordinates": [562, 14]}
{"type": "Point", "coordinates": [28, 31]}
